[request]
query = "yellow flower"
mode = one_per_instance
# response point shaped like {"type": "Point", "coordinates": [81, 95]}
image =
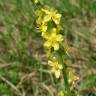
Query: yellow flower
{"type": "Point", "coordinates": [39, 13]}
{"type": "Point", "coordinates": [45, 35]}
{"type": "Point", "coordinates": [60, 93]}
{"type": "Point", "coordinates": [37, 1]}
{"type": "Point", "coordinates": [56, 67]}
{"type": "Point", "coordinates": [39, 20]}
{"type": "Point", "coordinates": [43, 27]}
{"type": "Point", "coordinates": [72, 76]}
{"type": "Point", "coordinates": [51, 14]}
{"type": "Point", "coordinates": [53, 40]}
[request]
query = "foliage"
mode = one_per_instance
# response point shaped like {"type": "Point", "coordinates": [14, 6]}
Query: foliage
{"type": "Point", "coordinates": [23, 68]}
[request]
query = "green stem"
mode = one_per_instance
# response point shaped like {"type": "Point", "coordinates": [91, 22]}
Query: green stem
{"type": "Point", "coordinates": [65, 76]}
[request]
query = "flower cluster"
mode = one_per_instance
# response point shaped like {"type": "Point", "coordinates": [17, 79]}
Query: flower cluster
{"type": "Point", "coordinates": [48, 23]}
{"type": "Point", "coordinates": [56, 67]}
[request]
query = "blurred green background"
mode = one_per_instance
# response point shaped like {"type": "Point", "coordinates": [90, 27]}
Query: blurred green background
{"type": "Point", "coordinates": [23, 68]}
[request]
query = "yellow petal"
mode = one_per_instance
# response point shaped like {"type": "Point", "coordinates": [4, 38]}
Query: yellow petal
{"type": "Point", "coordinates": [38, 13]}
{"type": "Point", "coordinates": [60, 66]}
{"type": "Point", "coordinates": [57, 21]}
{"type": "Point", "coordinates": [61, 93]}
{"type": "Point", "coordinates": [45, 35]}
{"type": "Point", "coordinates": [47, 18]}
{"type": "Point", "coordinates": [50, 63]}
{"type": "Point", "coordinates": [39, 21]}
{"type": "Point", "coordinates": [44, 28]}
{"type": "Point", "coordinates": [59, 37]}
{"type": "Point", "coordinates": [54, 30]}
{"type": "Point", "coordinates": [56, 46]}
{"type": "Point", "coordinates": [47, 44]}
{"type": "Point", "coordinates": [46, 10]}
{"type": "Point", "coordinates": [72, 77]}
{"type": "Point", "coordinates": [57, 18]}
{"type": "Point", "coordinates": [57, 74]}
{"type": "Point", "coordinates": [36, 1]}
